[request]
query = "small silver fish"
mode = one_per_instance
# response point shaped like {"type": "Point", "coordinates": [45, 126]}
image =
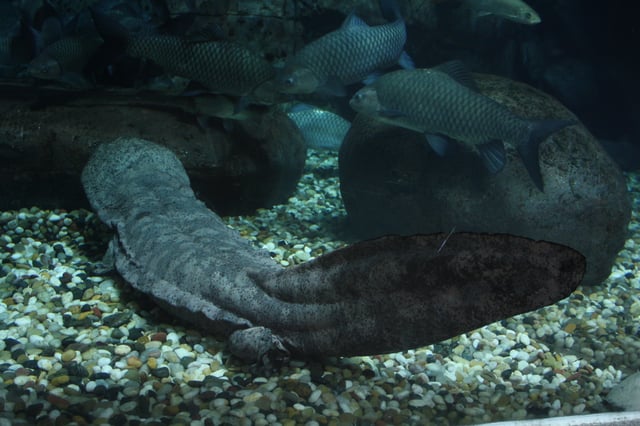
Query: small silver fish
{"type": "Point", "coordinates": [442, 103]}
{"type": "Point", "coordinates": [345, 56]}
{"type": "Point", "coordinates": [321, 129]}
{"type": "Point", "coordinates": [512, 10]}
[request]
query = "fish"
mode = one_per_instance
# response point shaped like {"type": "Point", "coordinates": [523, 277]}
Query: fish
{"type": "Point", "coordinates": [67, 50]}
{"type": "Point", "coordinates": [513, 10]}
{"type": "Point", "coordinates": [443, 102]}
{"type": "Point", "coordinates": [345, 56]}
{"type": "Point", "coordinates": [19, 42]}
{"type": "Point", "coordinates": [65, 59]}
{"type": "Point", "coordinates": [321, 129]}
{"type": "Point", "coordinates": [220, 66]}
{"type": "Point", "coordinates": [17, 46]}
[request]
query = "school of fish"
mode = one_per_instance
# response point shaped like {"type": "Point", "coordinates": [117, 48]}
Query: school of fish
{"type": "Point", "coordinates": [75, 43]}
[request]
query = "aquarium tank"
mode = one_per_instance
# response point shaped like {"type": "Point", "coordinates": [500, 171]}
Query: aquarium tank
{"type": "Point", "coordinates": [293, 212]}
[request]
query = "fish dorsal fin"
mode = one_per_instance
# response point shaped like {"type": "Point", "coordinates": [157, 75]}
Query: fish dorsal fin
{"type": "Point", "coordinates": [352, 21]}
{"type": "Point", "coordinates": [459, 72]}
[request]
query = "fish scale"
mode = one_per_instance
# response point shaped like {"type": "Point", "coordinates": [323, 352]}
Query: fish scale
{"type": "Point", "coordinates": [440, 102]}
{"type": "Point", "coordinates": [220, 66]}
{"type": "Point", "coordinates": [321, 129]}
{"type": "Point", "coordinates": [449, 108]}
{"type": "Point", "coordinates": [350, 54]}
{"type": "Point", "coordinates": [345, 56]}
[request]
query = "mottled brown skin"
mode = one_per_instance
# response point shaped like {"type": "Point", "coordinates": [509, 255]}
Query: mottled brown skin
{"type": "Point", "coordinates": [384, 295]}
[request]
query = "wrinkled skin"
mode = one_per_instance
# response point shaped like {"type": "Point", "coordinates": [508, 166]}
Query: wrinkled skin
{"type": "Point", "coordinates": [383, 295]}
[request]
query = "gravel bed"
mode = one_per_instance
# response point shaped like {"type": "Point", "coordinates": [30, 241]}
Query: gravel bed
{"type": "Point", "coordinates": [81, 348]}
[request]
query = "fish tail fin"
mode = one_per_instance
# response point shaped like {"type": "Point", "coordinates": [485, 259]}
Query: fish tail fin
{"type": "Point", "coordinates": [390, 10]}
{"type": "Point", "coordinates": [528, 150]}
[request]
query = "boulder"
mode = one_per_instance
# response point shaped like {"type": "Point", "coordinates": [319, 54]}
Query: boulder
{"type": "Point", "coordinates": [393, 183]}
{"type": "Point", "coordinates": [234, 167]}
{"type": "Point", "coordinates": [626, 394]}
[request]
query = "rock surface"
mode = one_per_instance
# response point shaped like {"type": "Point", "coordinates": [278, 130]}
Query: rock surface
{"type": "Point", "coordinates": [626, 395]}
{"type": "Point", "coordinates": [255, 163]}
{"type": "Point", "coordinates": [378, 296]}
{"type": "Point", "coordinates": [392, 183]}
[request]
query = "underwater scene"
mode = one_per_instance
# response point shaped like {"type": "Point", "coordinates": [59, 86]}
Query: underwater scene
{"type": "Point", "coordinates": [293, 212]}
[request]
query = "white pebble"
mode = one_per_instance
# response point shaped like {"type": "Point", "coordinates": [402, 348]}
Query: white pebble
{"type": "Point", "coordinates": [182, 352]}
{"type": "Point", "coordinates": [117, 375]}
{"type": "Point", "coordinates": [53, 217]}
{"type": "Point", "coordinates": [21, 380]}
{"type": "Point", "coordinates": [104, 361]}
{"type": "Point", "coordinates": [45, 364]}
{"type": "Point", "coordinates": [418, 403]}
{"type": "Point", "coordinates": [315, 395]}
{"type": "Point", "coordinates": [122, 349]}
{"type": "Point", "coordinates": [22, 321]}
{"type": "Point", "coordinates": [302, 255]}
{"type": "Point", "coordinates": [36, 340]}
{"type": "Point", "coordinates": [173, 336]}
{"type": "Point", "coordinates": [578, 409]}
{"type": "Point", "coordinates": [67, 298]}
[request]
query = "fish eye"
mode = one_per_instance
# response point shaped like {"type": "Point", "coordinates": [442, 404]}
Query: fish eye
{"type": "Point", "coordinates": [289, 81]}
{"type": "Point", "coordinates": [528, 15]}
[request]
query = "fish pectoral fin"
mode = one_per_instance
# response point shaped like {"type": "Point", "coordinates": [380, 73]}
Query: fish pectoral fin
{"type": "Point", "coordinates": [458, 71]}
{"type": "Point", "coordinates": [493, 156]}
{"type": "Point", "coordinates": [405, 61]}
{"type": "Point", "coordinates": [439, 143]}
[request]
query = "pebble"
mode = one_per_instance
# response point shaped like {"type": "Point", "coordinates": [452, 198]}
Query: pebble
{"type": "Point", "coordinates": [122, 349]}
{"type": "Point", "coordinates": [68, 355]}
{"type": "Point", "coordinates": [59, 380]}
{"type": "Point", "coordinates": [80, 340]}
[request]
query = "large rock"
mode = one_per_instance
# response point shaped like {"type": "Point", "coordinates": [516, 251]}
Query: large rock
{"type": "Point", "coordinates": [252, 163]}
{"type": "Point", "coordinates": [392, 183]}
